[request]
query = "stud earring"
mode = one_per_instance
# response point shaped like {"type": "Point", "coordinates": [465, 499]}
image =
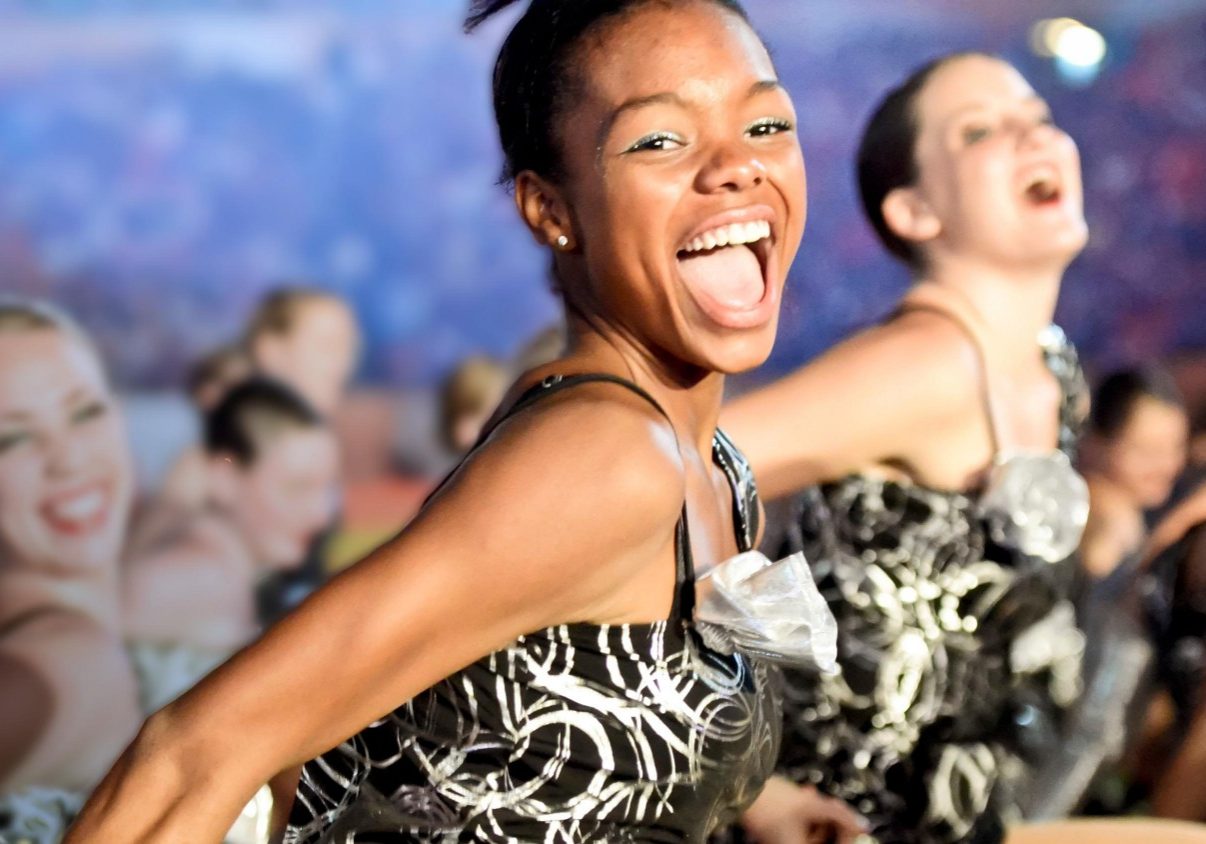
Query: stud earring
{"type": "Point", "coordinates": [562, 242]}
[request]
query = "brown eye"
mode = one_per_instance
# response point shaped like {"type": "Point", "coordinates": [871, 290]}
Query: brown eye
{"type": "Point", "coordinates": [88, 412]}
{"type": "Point", "coordinates": [972, 134]}
{"type": "Point", "coordinates": [11, 439]}
{"type": "Point", "coordinates": [769, 126]}
{"type": "Point", "coordinates": [657, 142]}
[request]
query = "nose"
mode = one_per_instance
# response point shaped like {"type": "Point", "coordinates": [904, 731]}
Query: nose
{"type": "Point", "coordinates": [1036, 135]}
{"type": "Point", "coordinates": [731, 167]}
{"type": "Point", "coordinates": [68, 452]}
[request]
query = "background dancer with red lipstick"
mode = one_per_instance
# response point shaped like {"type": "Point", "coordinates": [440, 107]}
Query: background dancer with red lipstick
{"type": "Point", "coordinates": [69, 701]}
{"type": "Point", "coordinates": [525, 650]}
{"type": "Point", "coordinates": [957, 644]}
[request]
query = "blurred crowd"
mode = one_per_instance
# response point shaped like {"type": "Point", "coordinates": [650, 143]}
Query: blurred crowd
{"type": "Point", "coordinates": [114, 600]}
{"type": "Point", "coordinates": [143, 162]}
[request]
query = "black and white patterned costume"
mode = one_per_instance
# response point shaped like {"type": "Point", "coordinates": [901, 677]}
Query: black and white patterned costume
{"type": "Point", "coordinates": [957, 656]}
{"type": "Point", "coordinates": [579, 732]}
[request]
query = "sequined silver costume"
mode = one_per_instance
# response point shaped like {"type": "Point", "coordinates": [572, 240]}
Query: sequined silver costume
{"type": "Point", "coordinates": [957, 655]}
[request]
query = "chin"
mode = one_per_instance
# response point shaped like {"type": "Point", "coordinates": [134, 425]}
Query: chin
{"type": "Point", "coordinates": [736, 354]}
{"type": "Point", "coordinates": [1153, 498]}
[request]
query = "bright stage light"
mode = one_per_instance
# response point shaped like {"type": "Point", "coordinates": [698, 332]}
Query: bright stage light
{"type": "Point", "coordinates": [1078, 50]}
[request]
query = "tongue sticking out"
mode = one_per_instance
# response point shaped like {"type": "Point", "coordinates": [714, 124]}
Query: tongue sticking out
{"type": "Point", "coordinates": [727, 278]}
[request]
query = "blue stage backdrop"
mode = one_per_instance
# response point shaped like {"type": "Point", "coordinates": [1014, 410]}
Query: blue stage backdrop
{"type": "Point", "coordinates": [161, 164]}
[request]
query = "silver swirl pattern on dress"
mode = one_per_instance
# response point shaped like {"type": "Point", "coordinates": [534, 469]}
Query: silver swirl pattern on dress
{"type": "Point", "coordinates": [958, 653]}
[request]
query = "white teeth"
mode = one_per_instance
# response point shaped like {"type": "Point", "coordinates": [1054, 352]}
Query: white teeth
{"type": "Point", "coordinates": [734, 234]}
{"type": "Point", "coordinates": [79, 507]}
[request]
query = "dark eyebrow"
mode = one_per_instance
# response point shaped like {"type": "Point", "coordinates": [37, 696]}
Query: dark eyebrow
{"type": "Point", "coordinates": [672, 97]}
{"type": "Point", "coordinates": [764, 85]}
{"type": "Point", "coordinates": [635, 103]}
{"type": "Point", "coordinates": [79, 395]}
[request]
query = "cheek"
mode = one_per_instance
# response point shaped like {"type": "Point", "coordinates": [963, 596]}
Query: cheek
{"type": "Point", "coordinates": [1069, 152]}
{"type": "Point", "coordinates": [989, 175]}
{"type": "Point", "coordinates": [20, 490]}
{"type": "Point", "coordinates": [793, 176]}
{"type": "Point", "coordinates": [110, 447]}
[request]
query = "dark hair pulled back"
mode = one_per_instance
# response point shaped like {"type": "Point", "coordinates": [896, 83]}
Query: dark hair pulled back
{"type": "Point", "coordinates": [887, 153]}
{"type": "Point", "coordinates": [535, 75]}
{"type": "Point", "coordinates": [1115, 398]}
{"type": "Point", "coordinates": [253, 413]}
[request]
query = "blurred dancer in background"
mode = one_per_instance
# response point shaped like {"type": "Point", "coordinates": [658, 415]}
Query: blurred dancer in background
{"type": "Point", "coordinates": [69, 701]}
{"type": "Point", "coordinates": [272, 476]}
{"type": "Point", "coordinates": [1135, 449]}
{"type": "Point", "coordinates": [468, 397]}
{"type": "Point", "coordinates": [307, 338]}
{"type": "Point", "coordinates": [182, 492]}
{"type": "Point", "coordinates": [930, 443]}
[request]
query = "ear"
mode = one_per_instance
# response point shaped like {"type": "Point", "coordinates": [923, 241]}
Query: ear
{"type": "Point", "coordinates": [268, 353]}
{"type": "Point", "coordinates": [909, 216]}
{"type": "Point", "coordinates": [544, 208]}
{"type": "Point", "coordinates": [223, 472]}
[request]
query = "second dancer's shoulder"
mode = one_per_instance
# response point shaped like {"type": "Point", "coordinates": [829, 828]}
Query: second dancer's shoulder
{"type": "Point", "coordinates": [862, 402]}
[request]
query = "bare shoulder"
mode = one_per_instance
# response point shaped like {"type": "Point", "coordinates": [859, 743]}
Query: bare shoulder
{"type": "Point", "coordinates": [923, 354]}
{"type": "Point", "coordinates": [65, 644]}
{"type": "Point", "coordinates": [600, 440]}
{"type": "Point", "coordinates": [71, 692]}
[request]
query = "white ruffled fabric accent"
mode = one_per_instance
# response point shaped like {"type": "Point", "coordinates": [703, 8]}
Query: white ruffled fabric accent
{"type": "Point", "coordinates": [771, 610]}
{"type": "Point", "coordinates": [1036, 503]}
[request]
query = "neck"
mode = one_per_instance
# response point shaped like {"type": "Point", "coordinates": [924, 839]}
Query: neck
{"type": "Point", "coordinates": [1013, 307]}
{"type": "Point", "coordinates": [1098, 477]}
{"type": "Point", "coordinates": [690, 396]}
{"type": "Point", "coordinates": [24, 590]}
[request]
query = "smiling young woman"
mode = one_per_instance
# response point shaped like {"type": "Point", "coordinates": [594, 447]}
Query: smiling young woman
{"type": "Point", "coordinates": [521, 662]}
{"type": "Point", "coordinates": [69, 699]}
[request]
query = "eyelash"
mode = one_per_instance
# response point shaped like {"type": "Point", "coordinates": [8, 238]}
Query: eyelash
{"type": "Point", "coordinates": [10, 441]}
{"type": "Point", "coordinates": [778, 124]}
{"type": "Point", "coordinates": [89, 412]}
{"type": "Point", "coordinates": [83, 415]}
{"type": "Point", "coordinates": [647, 143]}
{"type": "Point", "coordinates": [760, 129]}
{"type": "Point", "coordinates": [972, 134]}
{"type": "Point", "coordinates": [979, 133]}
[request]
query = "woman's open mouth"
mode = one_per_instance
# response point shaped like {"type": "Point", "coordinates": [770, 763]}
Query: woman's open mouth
{"type": "Point", "coordinates": [1043, 188]}
{"type": "Point", "coordinates": [726, 269]}
{"type": "Point", "coordinates": [80, 511]}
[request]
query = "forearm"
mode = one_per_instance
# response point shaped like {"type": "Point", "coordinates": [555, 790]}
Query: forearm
{"type": "Point", "coordinates": [1178, 522]}
{"type": "Point", "coordinates": [145, 798]}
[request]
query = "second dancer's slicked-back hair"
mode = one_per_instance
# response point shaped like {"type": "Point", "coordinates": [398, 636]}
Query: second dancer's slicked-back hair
{"type": "Point", "coordinates": [887, 153]}
{"type": "Point", "coordinates": [535, 75]}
